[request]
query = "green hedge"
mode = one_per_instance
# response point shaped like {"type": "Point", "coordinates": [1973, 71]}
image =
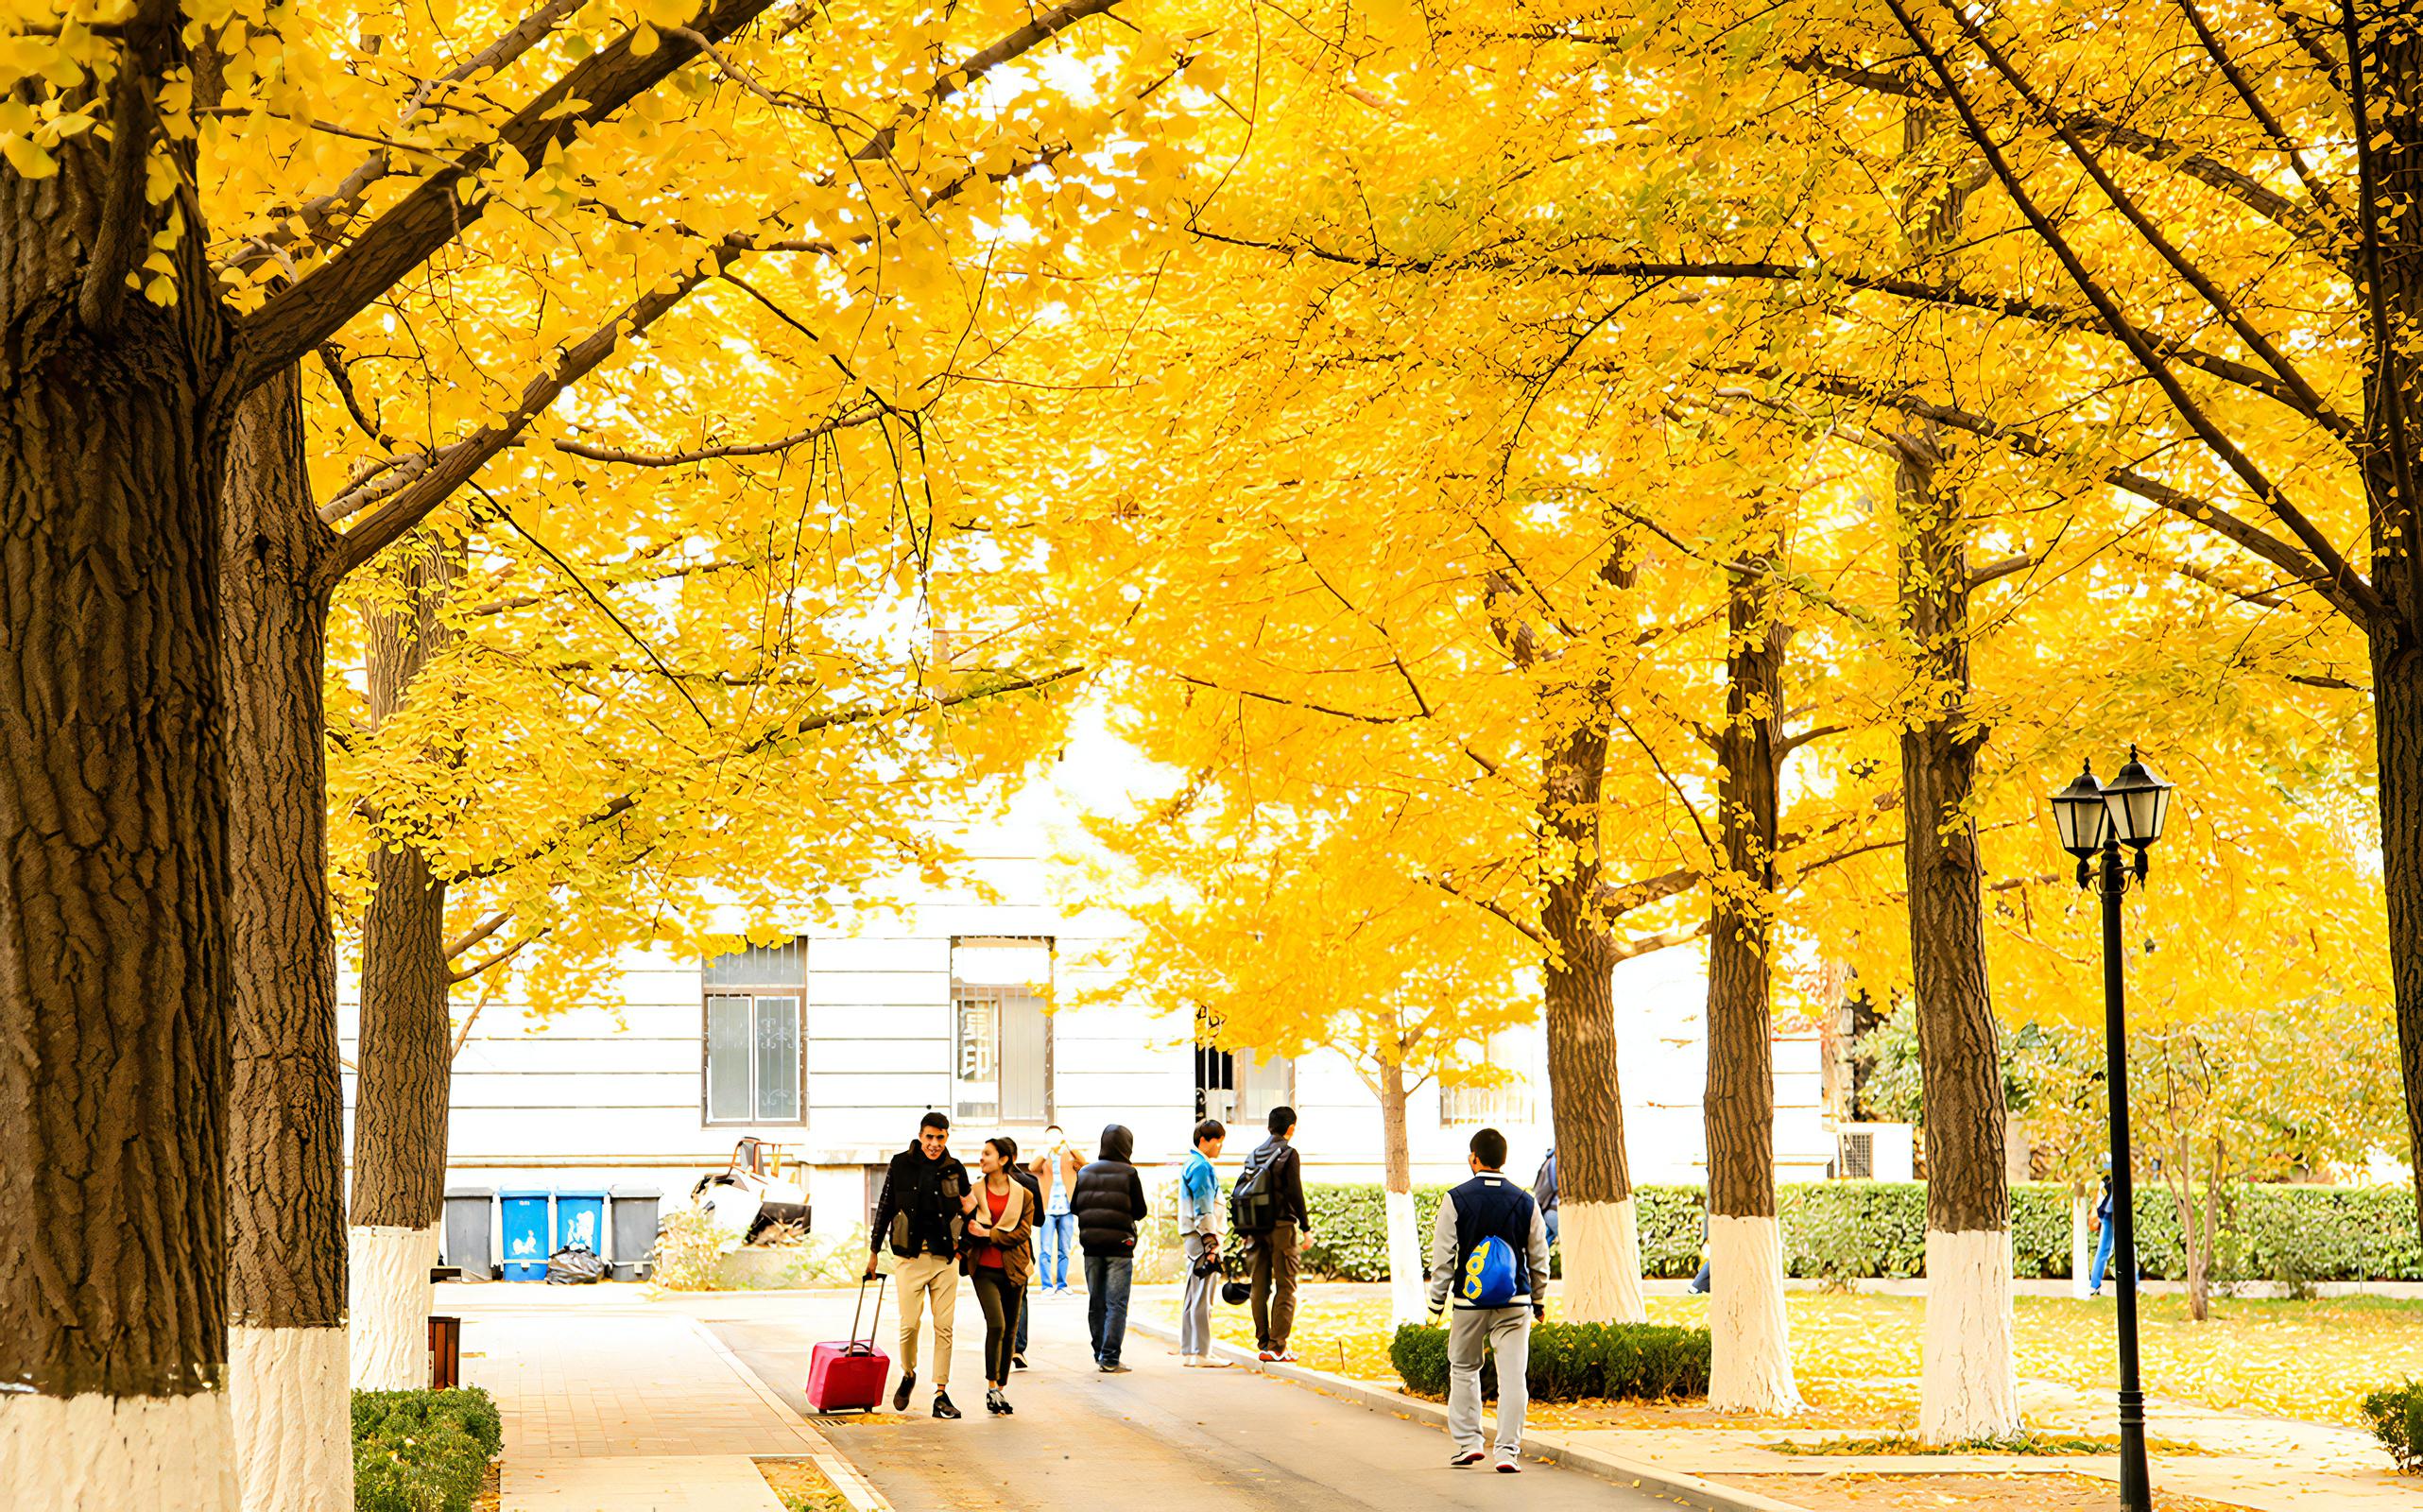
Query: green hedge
{"type": "Point", "coordinates": [2396, 1415]}
{"type": "Point", "coordinates": [1571, 1362]}
{"type": "Point", "coordinates": [422, 1450]}
{"type": "Point", "coordinates": [2292, 1233]}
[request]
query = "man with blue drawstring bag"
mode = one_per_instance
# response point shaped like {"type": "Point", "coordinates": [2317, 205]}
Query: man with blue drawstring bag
{"type": "Point", "coordinates": [1488, 1257]}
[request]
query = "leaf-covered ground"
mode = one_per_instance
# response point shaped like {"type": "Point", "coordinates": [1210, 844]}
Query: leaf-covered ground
{"type": "Point", "coordinates": [1857, 1356]}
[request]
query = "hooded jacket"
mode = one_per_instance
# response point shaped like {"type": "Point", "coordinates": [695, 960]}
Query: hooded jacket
{"type": "Point", "coordinates": [1109, 1198]}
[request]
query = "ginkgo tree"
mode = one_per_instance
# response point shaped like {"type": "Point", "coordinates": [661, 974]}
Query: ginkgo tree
{"type": "Point", "coordinates": [208, 218]}
{"type": "Point", "coordinates": [1281, 931]}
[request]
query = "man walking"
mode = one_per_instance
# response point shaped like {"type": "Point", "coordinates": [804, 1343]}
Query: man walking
{"type": "Point", "coordinates": [922, 1214]}
{"type": "Point", "coordinates": [1055, 1233]}
{"type": "Point", "coordinates": [1544, 1192]}
{"type": "Point", "coordinates": [1270, 1203]}
{"type": "Point", "coordinates": [1490, 1251]}
{"type": "Point", "coordinates": [1108, 1200]}
{"type": "Point", "coordinates": [1199, 1219]}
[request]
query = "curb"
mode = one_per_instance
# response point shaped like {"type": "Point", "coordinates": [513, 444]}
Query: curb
{"type": "Point", "coordinates": [1554, 1449]}
{"type": "Point", "coordinates": [855, 1489]}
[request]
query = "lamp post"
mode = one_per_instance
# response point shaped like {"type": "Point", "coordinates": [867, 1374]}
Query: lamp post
{"type": "Point", "coordinates": [2095, 821]}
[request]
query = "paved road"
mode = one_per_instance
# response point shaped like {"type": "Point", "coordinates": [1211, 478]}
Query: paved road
{"type": "Point", "coordinates": [1160, 1438]}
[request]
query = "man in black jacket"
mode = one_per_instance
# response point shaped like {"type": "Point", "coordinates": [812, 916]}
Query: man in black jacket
{"type": "Point", "coordinates": [1108, 1202]}
{"type": "Point", "coordinates": [1271, 1253]}
{"type": "Point", "coordinates": [921, 1215]}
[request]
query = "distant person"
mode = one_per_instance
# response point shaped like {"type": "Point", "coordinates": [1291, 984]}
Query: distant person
{"type": "Point", "coordinates": [1199, 1219]}
{"type": "Point", "coordinates": [1488, 1253]}
{"type": "Point", "coordinates": [1034, 1194]}
{"type": "Point", "coordinates": [1707, 1275]}
{"type": "Point", "coordinates": [1543, 1191]}
{"type": "Point", "coordinates": [1268, 1212]}
{"type": "Point", "coordinates": [997, 1261]}
{"type": "Point", "coordinates": [921, 1215]}
{"type": "Point", "coordinates": [1108, 1200]}
{"type": "Point", "coordinates": [2104, 1243]}
{"type": "Point", "coordinates": [1057, 1231]}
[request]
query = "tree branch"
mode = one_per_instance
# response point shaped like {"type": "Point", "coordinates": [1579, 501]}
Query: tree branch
{"type": "Point", "coordinates": [309, 311]}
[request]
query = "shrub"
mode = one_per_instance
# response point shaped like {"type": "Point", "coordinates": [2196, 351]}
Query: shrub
{"type": "Point", "coordinates": [422, 1450]}
{"type": "Point", "coordinates": [689, 1251]}
{"type": "Point", "coordinates": [1839, 1229]}
{"type": "Point", "coordinates": [2396, 1415]}
{"type": "Point", "coordinates": [1571, 1361]}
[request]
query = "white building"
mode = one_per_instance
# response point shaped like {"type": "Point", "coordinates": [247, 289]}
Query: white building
{"type": "Point", "coordinates": [832, 1045]}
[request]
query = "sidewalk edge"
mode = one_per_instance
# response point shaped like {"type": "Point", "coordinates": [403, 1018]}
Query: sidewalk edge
{"type": "Point", "coordinates": [1554, 1449]}
{"type": "Point", "coordinates": [854, 1488]}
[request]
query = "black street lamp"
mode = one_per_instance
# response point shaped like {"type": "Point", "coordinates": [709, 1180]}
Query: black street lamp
{"type": "Point", "coordinates": [2095, 821]}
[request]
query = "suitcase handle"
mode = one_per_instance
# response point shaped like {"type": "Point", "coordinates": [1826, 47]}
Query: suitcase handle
{"type": "Point", "coordinates": [877, 1323]}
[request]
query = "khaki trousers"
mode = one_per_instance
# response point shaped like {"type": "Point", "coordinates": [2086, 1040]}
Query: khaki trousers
{"type": "Point", "coordinates": [1273, 1269]}
{"type": "Point", "coordinates": [928, 1281]}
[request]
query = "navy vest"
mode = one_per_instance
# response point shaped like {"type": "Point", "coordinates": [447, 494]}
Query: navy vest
{"type": "Point", "coordinates": [1492, 1205]}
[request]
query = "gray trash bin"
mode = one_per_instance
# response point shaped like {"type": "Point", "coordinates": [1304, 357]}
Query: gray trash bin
{"type": "Point", "coordinates": [634, 1232]}
{"type": "Point", "coordinates": [470, 1218]}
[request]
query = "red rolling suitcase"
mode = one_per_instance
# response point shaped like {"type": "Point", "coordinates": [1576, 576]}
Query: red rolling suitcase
{"type": "Point", "coordinates": [847, 1375]}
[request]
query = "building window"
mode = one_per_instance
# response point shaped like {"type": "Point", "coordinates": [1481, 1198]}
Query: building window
{"type": "Point", "coordinates": [1509, 1099]}
{"type": "Point", "coordinates": [755, 1052]}
{"type": "Point", "coordinates": [1002, 1066]}
{"type": "Point", "coordinates": [1239, 1088]}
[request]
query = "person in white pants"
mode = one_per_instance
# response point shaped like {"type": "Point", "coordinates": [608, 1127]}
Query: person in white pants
{"type": "Point", "coordinates": [1199, 1219]}
{"type": "Point", "coordinates": [1488, 1207]}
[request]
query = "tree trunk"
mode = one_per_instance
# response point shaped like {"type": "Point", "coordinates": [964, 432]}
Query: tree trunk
{"type": "Point", "coordinates": [113, 984]}
{"type": "Point", "coordinates": [401, 1090]}
{"type": "Point", "coordinates": [1599, 1232]}
{"type": "Point", "coordinates": [2397, 642]}
{"type": "Point", "coordinates": [1405, 1291]}
{"type": "Point", "coordinates": [1751, 1369]}
{"type": "Point", "coordinates": [1969, 1388]}
{"type": "Point", "coordinates": [286, 1351]}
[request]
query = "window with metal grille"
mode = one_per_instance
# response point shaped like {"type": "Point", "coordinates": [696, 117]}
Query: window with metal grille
{"type": "Point", "coordinates": [1509, 1099]}
{"type": "Point", "coordinates": [754, 1055]}
{"type": "Point", "coordinates": [1858, 1155]}
{"type": "Point", "coordinates": [1003, 1036]}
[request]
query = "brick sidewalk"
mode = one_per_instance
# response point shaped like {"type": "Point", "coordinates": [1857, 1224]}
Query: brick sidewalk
{"type": "Point", "coordinates": [616, 1405]}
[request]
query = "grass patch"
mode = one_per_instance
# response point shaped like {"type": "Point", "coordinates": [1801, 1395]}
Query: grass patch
{"type": "Point", "coordinates": [800, 1487]}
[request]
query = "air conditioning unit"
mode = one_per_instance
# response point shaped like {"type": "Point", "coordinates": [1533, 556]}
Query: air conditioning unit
{"type": "Point", "coordinates": [1874, 1152]}
{"type": "Point", "coordinates": [1855, 1155]}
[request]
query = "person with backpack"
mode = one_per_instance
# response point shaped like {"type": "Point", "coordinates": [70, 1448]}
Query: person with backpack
{"type": "Point", "coordinates": [1268, 1209]}
{"type": "Point", "coordinates": [922, 1214]}
{"type": "Point", "coordinates": [1109, 1201]}
{"type": "Point", "coordinates": [997, 1261]}
{"type": "Point", "coordinates": [1543, 1191]}
{"type": "Point", "coordinates": [1199, 1219]}
{"type": "Point", "coordinates": [1488, 1252]}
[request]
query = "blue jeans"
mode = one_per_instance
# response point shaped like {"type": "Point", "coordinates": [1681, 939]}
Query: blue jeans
{"type": "Point", "coordinates": [2103, 1259]}
{"type": "Point", "coordinates": [1054, 1237]}
{"type": "Point", "coordinates": [1106, 1304]}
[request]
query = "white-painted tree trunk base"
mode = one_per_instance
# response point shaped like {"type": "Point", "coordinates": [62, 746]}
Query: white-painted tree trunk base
{"type": "Point", "coordinates": [391, 1300]}
{"type": "Point", "coordinates": [1406, 1300]}
{"type": "Point", "coordinates": [1599, 1244]}
{"type": "Point", "coordinates": [293, 1417]}
{"type": "Point", "coordinates": [1967, 1388]}
{"type": "Point", "coordinates": [2081, 1243]}
{"type": "Point", "coordinates": [155, 1453]}
{"type": "Point", "coordinates": [1751, 1370]}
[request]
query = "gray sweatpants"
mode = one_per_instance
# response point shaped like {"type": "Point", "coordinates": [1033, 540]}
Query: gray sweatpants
{"type": "Point", "coordinates": [1194, 1308]}
{"type": "Point", "coordinates": [1470, 1331]}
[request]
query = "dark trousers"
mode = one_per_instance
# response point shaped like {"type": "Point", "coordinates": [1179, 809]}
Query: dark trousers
{"type": "Point", "coordinates": [1274, 1286]}
{"type": "Point", "coordinates": [1106, 1304]}
{"type": "Point", "coordinates": [1003, 1304]}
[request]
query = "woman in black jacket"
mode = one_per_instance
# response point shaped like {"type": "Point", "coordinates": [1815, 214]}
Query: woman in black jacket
{"type": "Point", "coordinates": [1108, 1202]}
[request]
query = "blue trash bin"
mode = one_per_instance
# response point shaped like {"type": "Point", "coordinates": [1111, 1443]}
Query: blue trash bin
{"type": "Point", "coordinates": [580, 1218]}
{"type": "Point", "coordinates": [530, 1232]}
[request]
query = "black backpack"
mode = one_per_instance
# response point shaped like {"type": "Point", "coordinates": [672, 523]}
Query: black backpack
{"type": "Point", "coordinates": [1253, 1205]}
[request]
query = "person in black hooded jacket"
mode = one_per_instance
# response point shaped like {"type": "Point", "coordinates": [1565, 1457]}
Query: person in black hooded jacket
{"type": "Point", "coordinates": [1108, 1202]}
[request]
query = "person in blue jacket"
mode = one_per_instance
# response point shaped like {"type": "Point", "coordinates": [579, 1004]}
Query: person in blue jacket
{"type": "Point", "coordinates": [1490, 1313]}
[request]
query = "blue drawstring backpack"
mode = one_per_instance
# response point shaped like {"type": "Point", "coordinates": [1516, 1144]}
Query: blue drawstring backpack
{"type": "Point", "coordinates": [1488, 1274]}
